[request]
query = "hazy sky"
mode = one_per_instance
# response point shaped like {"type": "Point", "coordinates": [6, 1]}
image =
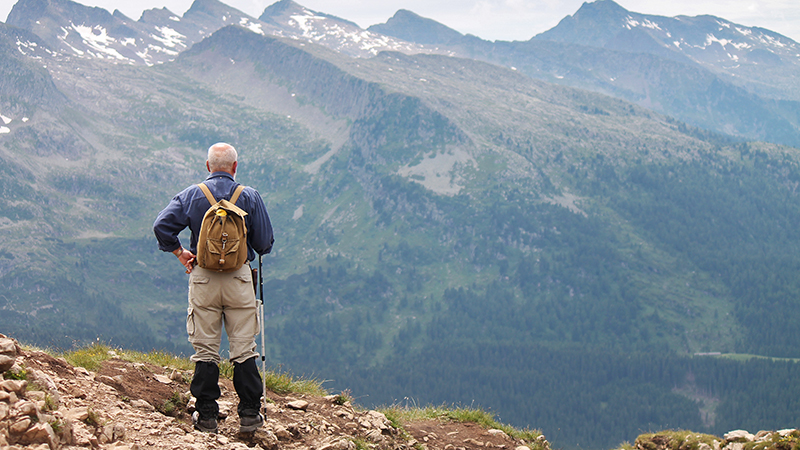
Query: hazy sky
{"type": "Point", "coordinates": [495, 19]}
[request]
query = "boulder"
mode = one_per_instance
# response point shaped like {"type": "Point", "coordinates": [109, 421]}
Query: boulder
{"type": "Point", "coordinates": [300, 405]}
{"type": "Point", "coordinates": [42, 379]}
{"type": "Point", "coordinates": [8, 347]}
{"type": "Point", "coordinates": [16, 386]}
{"type": "Point", "coordinates": [79, 414]}
{"type": "Point", "coordinates": [496, 432]}
{"type": "Point", "coordinates": [6, 362]}
{"type": "Point", "coordinates": [27, 408]}
{"type": "Point", "coordinates": [40, 433]}
{"type": "Point", "coordinates": [282, 433]}
{"type": "Point", "coordinates": [739, 436]}
{"type": "Point", "coordinates": [20, 426]}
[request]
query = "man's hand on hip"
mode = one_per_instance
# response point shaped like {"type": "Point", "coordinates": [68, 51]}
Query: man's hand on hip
{"type": "Point", "coordinates": [186, 258]}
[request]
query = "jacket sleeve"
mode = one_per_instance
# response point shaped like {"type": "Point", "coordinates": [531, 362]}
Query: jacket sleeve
{"type": "Point", "coordinates": [169, 223]}
{"type": "Point", "coordinates": [259, 233]}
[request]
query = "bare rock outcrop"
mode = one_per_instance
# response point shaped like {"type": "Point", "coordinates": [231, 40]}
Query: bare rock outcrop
{"type": "Point", "coordinates": [46, 403]}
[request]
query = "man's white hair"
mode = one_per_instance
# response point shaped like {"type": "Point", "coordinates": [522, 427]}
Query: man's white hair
{"type": "Point", "coordinates": [221, 156]}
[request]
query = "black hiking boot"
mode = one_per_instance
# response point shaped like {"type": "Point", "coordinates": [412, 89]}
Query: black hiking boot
{"type": "Point", "coordinates": [204, 425]}
{"type": "Point", "coordinates": [249, 424]}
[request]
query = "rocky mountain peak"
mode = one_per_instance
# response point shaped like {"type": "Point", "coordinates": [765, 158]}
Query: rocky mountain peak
{"type": "Point", "coordinates": [27, 13]}
{"type": "Point", "coordinates": [736, 51]}
{"type": "Point", "coordinates": [157, 15]}
{"type": "Point", "coordinates": [593, 24]}
{"type": "Point", "coordinates": [280, 8]}
{"type": "Point", "coordinates": [600, 8]}
{"type": "Point", "coordinates": [212, 8]}
{"type": "Point", "coordinates": [411, 27]}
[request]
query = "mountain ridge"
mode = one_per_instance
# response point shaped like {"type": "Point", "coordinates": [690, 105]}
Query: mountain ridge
{"type": "Point", "coordinates": [661, 79]}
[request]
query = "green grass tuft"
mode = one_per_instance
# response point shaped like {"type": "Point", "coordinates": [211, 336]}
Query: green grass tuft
{"type": "Point", "coordinates": [93, 356]}
{"type": "Point", "coordinates": [93, 419]}
{"type": "Point", "coordinates": [284, 382]}
{"type": "Point", "coordinates": [400, 414]}
{"type": "Point", "coordinates": [90, 357]}
{"type": "Point", "coordinates": [343, 397]}
{"type": "Point", "coordinates": [361, 444]}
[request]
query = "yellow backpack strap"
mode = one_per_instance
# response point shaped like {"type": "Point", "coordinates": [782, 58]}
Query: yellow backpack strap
{"type": "Point", "coordinates": [208, 193]}
{"type": "Point", "coordinates": [236, 193]}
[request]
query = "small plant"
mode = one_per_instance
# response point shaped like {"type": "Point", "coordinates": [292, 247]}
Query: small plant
{"type": "Point", "coordinates": [93, 418]}
{"type": "Point", "coordinates": [20, 374]}
{"type": "Point", "coordinates": [226, 370]}
{"type": "Point", "coordinates": [174, 405]}
{"type": "Point", "coordinates": [394, 418]}
{"type": "Point", "coordinates": [343, 397]}
{"type": "Point", "coordinates": [57, 425]}
{"type": "Point", "coordinates": [360, 444]}
{"type": "Point", "coordinates": [50, 403]}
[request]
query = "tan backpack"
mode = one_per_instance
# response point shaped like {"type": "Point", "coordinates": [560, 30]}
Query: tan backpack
{"type": "Point", "coordinates": [222, 244]}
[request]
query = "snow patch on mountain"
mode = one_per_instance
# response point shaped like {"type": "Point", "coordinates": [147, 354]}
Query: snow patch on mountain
{"type": "Point", "coordinates": [710, 39]}
{"type": "Point", "coordinates": [97, 38]}
{"type": "Point", "coordinates": [32, 49]}
{"type": "Point", "coordinates": [252, 26]}
{"type": "Point", "coordinates": [630, 23]}
{"type": "Point", "coordinates": [170, 37]}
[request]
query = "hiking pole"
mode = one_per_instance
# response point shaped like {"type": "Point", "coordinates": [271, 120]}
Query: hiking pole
{"type": "Point", "coordinates": [263, 350]}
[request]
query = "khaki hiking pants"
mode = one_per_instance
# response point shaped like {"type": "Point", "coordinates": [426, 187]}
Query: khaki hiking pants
{"type": "Point", "coordinates": [217, 299]}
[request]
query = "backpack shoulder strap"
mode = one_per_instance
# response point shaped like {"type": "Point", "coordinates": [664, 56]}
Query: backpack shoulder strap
{"type": "Point", "coordinates": [236, 193]}
{"type": "Point", "coordinates": [209, 195]}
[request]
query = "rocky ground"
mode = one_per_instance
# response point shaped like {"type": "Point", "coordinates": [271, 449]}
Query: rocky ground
{"type": "Point", "coordinates": [788, 439]}
{"type": "Point", "coordinates": [46, 403]}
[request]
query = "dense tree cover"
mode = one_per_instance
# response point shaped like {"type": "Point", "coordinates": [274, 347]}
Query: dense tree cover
{"type": "Point", "coordinates": [480, 348]}
{"type": "Point", "coordinates": [107, 289]}
{"type": "Point", "coordinates": [548, 317]}
{"type": "Point", "coordinates": [738, 222]}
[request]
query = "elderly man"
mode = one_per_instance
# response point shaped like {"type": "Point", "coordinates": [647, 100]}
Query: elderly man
{"type": "Point", "coordinates": [219, 298]}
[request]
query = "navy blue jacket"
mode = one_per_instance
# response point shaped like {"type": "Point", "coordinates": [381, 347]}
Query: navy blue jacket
{"type": "Point", "coordinates": [188, 207]}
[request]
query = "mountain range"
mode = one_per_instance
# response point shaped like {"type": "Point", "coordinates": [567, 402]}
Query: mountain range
{"type": "Point", "coordinates": [550, 228]}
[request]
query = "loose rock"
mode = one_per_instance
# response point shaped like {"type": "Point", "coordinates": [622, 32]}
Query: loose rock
{"type": "Point", "coordinates": [300, 405]}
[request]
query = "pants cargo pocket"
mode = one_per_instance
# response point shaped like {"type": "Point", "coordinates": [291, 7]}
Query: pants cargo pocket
{"type": "Point", "coordinates": [243, 293]}
{"type": "Point", "coordinates": [190, 322]}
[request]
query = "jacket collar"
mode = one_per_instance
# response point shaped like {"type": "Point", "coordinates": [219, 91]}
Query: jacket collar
{"type": "Point", "coordinates": [220, 174]}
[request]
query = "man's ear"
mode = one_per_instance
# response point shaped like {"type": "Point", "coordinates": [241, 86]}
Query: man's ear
{"type": "Point", "coordinates": [207, 166]}
{"type": "Point", "coordinates": [233, 167]}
